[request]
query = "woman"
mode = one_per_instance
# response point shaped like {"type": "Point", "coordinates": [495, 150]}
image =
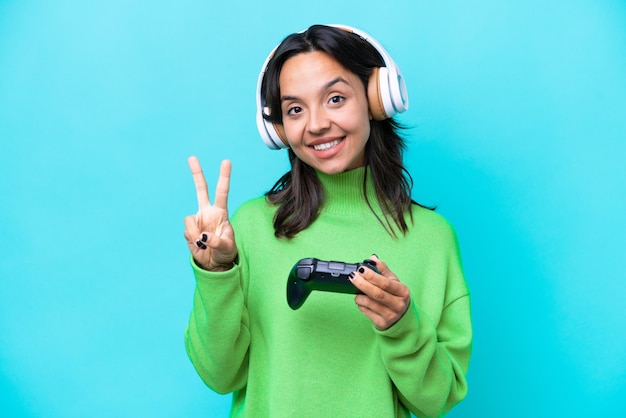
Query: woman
{"type": "Point", "coordinates": [405, 346]}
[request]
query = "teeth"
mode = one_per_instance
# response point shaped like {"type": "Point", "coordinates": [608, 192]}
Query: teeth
{"type": "Point", "coordinates": [322, 147]}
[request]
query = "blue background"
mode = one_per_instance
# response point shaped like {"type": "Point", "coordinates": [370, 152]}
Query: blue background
{"type": "Point", "coordinates": [517, 134]}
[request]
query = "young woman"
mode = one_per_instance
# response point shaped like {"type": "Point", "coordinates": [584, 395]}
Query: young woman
{"type": "Point", "coordinates": [400, 347]}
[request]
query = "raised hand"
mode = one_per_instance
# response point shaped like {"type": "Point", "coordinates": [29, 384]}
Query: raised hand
{"type": "Point", "coordinates": [209, 234]}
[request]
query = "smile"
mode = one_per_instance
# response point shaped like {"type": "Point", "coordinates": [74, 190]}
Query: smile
{"type": "Point", "coordinates": [328, 145]}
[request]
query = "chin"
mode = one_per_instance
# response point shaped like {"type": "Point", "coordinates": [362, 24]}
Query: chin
{"type": "Point", "coordinates": [336, 169]}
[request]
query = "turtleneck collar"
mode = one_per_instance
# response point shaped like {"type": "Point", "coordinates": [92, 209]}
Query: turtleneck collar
{"type": "Point", "coordinates": [343, 192]}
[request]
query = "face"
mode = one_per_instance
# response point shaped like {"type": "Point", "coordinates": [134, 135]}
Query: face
{"type": "Point", "coordinates": [325, 112]}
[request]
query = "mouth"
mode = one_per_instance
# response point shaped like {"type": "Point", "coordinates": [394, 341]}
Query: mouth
{"type": "Point", "coordinates": [327, 145]}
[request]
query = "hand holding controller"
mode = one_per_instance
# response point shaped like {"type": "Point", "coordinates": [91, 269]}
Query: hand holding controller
{"type": "Point", "coordinates": [312, 274]}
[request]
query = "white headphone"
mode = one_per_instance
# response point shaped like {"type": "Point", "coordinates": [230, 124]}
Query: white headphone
{"type": "Point", "coordinates": [386, 92]}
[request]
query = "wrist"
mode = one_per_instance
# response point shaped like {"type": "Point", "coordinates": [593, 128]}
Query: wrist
{"type": "Point", "coordinates": [220, 267]}
{"type": "Point", "coordinates": [215, 267]}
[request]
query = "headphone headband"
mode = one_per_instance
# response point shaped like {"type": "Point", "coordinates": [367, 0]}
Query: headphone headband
{"type": "Point", "coordinates": [386, 91]}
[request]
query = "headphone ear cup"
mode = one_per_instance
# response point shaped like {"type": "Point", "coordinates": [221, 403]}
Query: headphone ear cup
{"type": "Point", "coordinates": [379, 96]}
{"type": "Point", "coordinates": [398, 93]}
{"type": "Point", "coordinates": [280, 134]}
{"type": "Point", "coordinates": [374, 99]}
{"type": "Point", "coordinates": [272, 134]}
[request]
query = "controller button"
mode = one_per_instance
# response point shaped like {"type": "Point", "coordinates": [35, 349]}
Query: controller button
{"type": "Point", "coordinates": [336, 265]}
{"type": "Point", "coordinates": [304, 273]}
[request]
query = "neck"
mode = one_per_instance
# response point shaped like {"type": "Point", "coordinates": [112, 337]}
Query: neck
{"type": "Point", "coordinates": [343, 192]}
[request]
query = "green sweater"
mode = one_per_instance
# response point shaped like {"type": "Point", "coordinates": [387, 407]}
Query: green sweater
{"type": "Point", "coordinates": [327, 359]}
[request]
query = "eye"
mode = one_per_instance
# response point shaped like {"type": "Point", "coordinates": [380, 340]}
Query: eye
{"type": "Point", "coordinates": [336, 99]}
{"type": "Point", "coordinates": [294, 110]}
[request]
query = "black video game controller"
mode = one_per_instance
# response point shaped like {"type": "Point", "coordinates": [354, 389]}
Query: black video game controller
{"type": "Point", "coordinates": [312, 274]}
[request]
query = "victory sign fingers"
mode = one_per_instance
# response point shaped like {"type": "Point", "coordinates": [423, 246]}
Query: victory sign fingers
{"type": "Point", "coordinates": [210, 229]}
{"type": "Point", "coordinates": [202, 191]}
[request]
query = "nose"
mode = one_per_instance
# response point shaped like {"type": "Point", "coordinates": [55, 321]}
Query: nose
{"type": "Point", "coordinates": [318, 122]}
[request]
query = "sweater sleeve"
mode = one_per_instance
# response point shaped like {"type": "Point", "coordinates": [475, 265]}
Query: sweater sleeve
{"type": "Point", "coordinates": [217, 337]}
{"type": "Point", "coordinates": [428, 359]}
{"type": "Point", "coordinates": [427, 364]}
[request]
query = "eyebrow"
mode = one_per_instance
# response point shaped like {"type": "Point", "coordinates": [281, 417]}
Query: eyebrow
{"type": "Point", "coordinates": [326, 86]}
